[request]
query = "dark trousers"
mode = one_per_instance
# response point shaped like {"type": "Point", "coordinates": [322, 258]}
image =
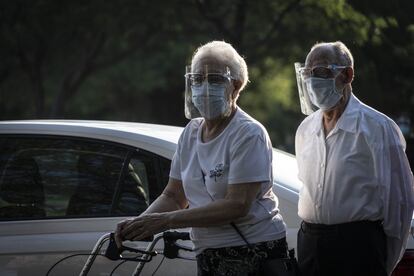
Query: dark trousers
{"type": "Point", "coordinates": [348, 249]}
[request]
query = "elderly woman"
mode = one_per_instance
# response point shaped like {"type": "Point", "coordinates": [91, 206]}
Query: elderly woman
{"type": "Point", "coordinates": [221, 171]}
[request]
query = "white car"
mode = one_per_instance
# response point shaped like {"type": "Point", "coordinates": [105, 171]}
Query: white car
{"type": "Point", "coordinates": [63, 184]}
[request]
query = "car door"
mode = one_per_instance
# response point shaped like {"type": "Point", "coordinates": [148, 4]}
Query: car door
{"type": "Point", "coordinates": [58, 195]}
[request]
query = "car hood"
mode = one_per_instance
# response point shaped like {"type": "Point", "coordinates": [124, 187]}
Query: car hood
{"type": "Point", "coordinates": [285, 170]}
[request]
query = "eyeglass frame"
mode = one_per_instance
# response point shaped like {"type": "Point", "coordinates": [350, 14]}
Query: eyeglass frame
{"type": "Point", "coordinates": [334, 68]}
{"type": "Point", "coordinates": [205, 76]}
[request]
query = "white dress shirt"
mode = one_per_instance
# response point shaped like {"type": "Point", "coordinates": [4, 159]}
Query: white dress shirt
{"type": "Point", "coordinates": [359, 171]}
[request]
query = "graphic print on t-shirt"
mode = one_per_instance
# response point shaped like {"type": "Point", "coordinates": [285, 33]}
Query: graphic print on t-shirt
{"type": "Point", "coordinates": [217, 171]}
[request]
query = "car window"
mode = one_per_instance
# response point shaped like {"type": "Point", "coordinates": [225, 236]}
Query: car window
{"type": "Point", "coordinates": [133, 197]}
{"type": "Point", "coordinates": [144, 180]}
{"type": "Point", "coordinates": [46, 177]}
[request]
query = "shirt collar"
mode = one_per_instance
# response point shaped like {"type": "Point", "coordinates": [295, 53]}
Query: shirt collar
{"type": "Point", "coordinates": [316, 122]}
{"type": "Point", "coordinates": [348, 120]}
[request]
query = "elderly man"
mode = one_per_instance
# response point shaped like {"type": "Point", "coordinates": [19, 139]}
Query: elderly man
{"type": "Point", "coordinates": [357, 198]}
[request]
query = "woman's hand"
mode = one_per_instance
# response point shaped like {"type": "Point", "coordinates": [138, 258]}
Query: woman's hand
{"type": "Point", "coordinates": [119, 238]}
{"type": "Point", "coordinates": [143, 226]}
{"type": "Point", "coordinates": [154, 219]}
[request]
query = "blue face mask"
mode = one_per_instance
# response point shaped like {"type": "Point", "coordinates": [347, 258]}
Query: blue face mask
{"type": "Point", "coordinates": [212, 104]}
{"type": "Point", "coordinates": [322, 92]}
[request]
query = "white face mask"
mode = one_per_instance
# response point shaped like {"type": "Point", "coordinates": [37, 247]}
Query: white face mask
{"type": "Point", "coordinates": [213, 105]}
{"type": "Point", "coordinates": [322, 92]}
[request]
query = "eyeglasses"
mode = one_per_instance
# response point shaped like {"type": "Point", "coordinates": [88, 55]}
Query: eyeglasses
{"type": "Point", "coordinates": [325, 72]}
{"type": "Point", "coordinates": [197, 79]}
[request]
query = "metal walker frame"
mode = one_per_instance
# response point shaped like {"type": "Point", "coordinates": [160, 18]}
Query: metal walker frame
{"type": "Point", "coordinates": [171, 250]}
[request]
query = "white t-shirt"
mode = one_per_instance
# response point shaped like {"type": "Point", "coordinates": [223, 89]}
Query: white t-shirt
{"type": "Point", "coordinates": [242, 153]}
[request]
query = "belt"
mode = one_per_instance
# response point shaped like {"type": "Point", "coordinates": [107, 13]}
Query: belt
{"type": "Point", "coordinates": [314, 227]}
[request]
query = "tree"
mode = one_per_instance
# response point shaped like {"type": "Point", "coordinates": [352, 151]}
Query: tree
{"type": "Point", "coordinates": [59, 45]}
{"type": "Point", "coordinates": [124, 60]}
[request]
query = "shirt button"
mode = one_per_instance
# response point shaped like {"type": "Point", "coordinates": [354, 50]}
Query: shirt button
{"type": "Point", "coordinates": [319, 186]}
{"type": "Point", "coordinates": [322, 165]}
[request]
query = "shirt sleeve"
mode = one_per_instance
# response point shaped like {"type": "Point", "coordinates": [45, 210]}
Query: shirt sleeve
{"type": "Point", "coordinates": [175, 171]}
{"type": "Point", "coordinates": [396, 180]}
{"type": "Point", "coordinates": [251, 159]}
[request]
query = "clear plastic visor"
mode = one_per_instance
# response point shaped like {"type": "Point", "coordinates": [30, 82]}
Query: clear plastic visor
{"type": "Point", "coordinates": [330, 71]}
{"type": "Point", "coordinates": [306, 106]}
{"type": "Point", "coordinates": [207, 92]}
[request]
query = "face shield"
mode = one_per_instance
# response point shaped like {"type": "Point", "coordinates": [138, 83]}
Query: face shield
{"type": "Point", "coordinates": [207, 92]}
{"type": "Point", "coordinates": [306, 106]}
{"type": "Point", "coordinates": [317, 87]}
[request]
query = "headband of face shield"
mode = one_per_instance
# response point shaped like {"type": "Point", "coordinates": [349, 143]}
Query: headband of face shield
{"type": "Point", "coordinates": [207, 93]}
{"type": "Point", "coordinates": [317, 88]}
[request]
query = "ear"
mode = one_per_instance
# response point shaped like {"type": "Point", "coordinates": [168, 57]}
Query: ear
{"type": "Point", "coordinates": [348, 75]}
{"type": "Point", "coordinates": [237, 85]}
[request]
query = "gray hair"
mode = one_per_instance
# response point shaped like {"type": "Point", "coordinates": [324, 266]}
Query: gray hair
{"type": "Point", "coordinates": [224, 52]}
{"type": "Point", "coordinates": [342, 55]}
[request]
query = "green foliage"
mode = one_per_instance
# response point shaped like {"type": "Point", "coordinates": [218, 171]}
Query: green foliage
{"type": "Point", "coordinates": [270, 86]}
{"type": "Point", "coordinates": [124, 60]}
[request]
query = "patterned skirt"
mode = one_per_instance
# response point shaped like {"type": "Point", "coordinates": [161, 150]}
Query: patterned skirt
{"type": "Point", "coordinates": [239, 260]}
